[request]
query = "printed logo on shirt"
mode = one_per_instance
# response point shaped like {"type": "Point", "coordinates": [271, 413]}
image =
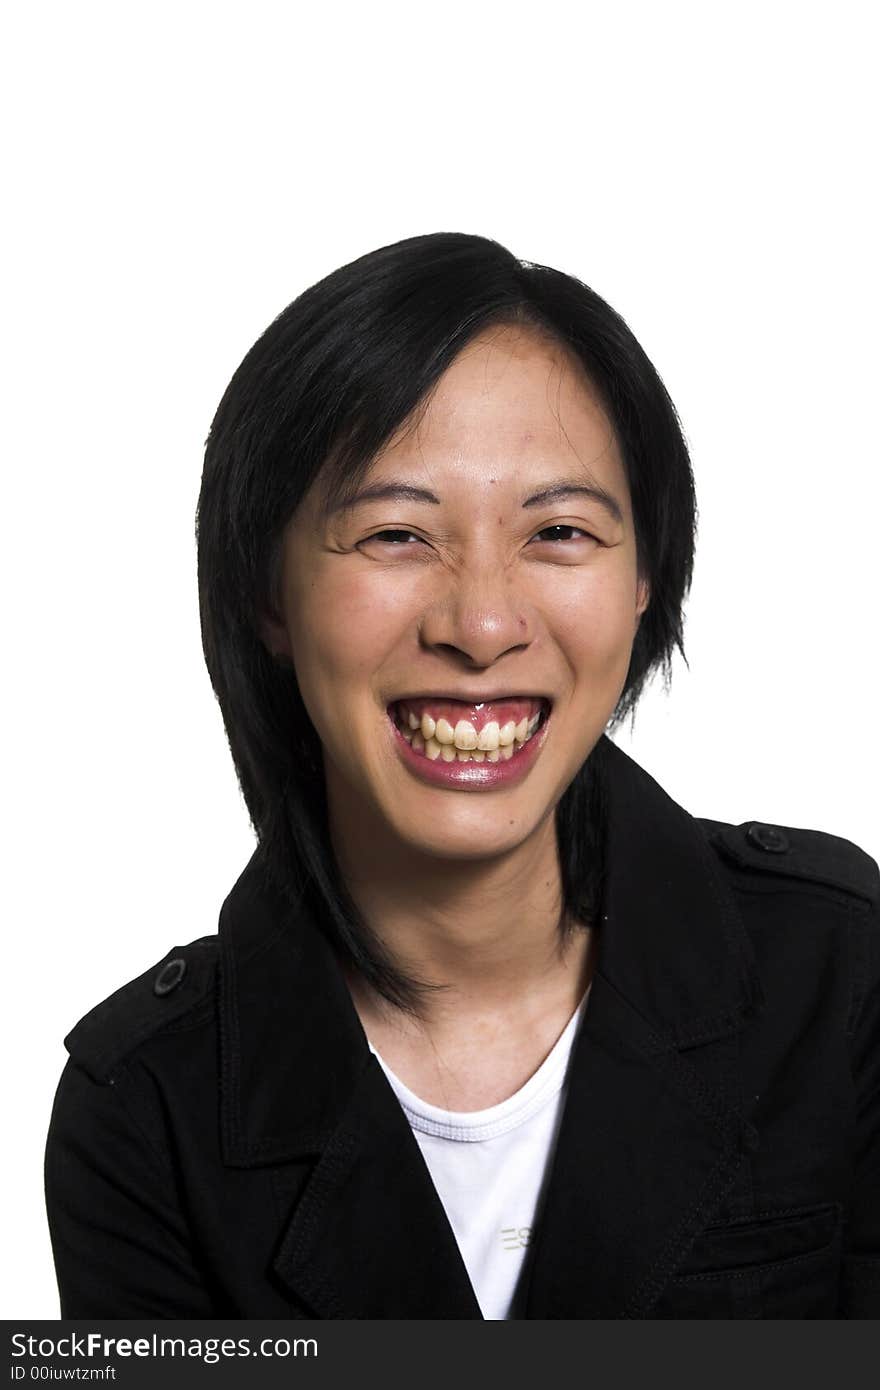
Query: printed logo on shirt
{"type": "Point", "coordinates": [515, 1237]}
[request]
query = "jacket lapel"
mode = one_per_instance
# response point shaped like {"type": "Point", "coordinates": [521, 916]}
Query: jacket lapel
{"type": "Point", "coordinates": [651, 1135]}
{"type": "Point", "coordinates": [368, 1237]}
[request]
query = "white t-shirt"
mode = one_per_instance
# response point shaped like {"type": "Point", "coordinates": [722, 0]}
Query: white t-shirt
{"type": "Point", "coordinates": [488, 1167]}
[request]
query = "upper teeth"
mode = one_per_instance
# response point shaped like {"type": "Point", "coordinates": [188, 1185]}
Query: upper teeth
{"type": "Point", "coordinates": [433, 735]}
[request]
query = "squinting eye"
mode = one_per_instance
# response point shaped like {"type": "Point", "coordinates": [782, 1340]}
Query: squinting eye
{"type": "Point", "coordinates": [564, 526]}
{"type": "Point", "coordinates": [394, 532]}
{"type": "Point", "coordinates": [560, 526]}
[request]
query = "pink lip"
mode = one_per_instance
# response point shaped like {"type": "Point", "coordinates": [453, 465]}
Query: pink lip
{"type": "Point", "coordinates": [471, 776]}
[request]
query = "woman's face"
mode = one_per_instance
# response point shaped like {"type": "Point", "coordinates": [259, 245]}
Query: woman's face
{"type": "Point", "coordinates": [459, 612]}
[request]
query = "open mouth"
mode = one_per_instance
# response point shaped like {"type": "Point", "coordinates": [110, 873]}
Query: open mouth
{"type": "Point", "coordinates": [455, 731]}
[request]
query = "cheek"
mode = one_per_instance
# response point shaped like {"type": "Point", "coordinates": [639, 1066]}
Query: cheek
{"type": "Point", "coordinates": [341, 631]}
{"type": "Point", "coordinates": [598, 626]}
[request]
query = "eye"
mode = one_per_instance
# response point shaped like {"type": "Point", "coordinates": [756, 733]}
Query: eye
{"type": "Point", "coordinates": [565, 526]}
{"type": "Point", "coordinates": [377, 535]}
{"type": "Point", "coordinates": [578, 534]}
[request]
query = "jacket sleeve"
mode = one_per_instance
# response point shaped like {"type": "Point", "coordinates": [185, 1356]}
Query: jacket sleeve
{"type": "Point", "coordinates": [119, 1237]}
{"type": "Point", "coordinates": [860, 1287]}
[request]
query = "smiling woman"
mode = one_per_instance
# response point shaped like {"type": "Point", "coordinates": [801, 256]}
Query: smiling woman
{"type": "Point", "coordinates": [497, 632]}
{"type": "Point", "coordinates": [491, 1027]}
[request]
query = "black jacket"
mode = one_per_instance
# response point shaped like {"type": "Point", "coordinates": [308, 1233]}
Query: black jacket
{"type": "Point", "coordinates": [224, 1144]}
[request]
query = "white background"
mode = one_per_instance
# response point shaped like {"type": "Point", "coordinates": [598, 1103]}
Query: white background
{"type": "Point", "coordinates": [175, 175]}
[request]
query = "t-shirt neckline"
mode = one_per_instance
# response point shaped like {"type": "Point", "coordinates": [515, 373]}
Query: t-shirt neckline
{"type": "Point", "coordinates": [470, 1126]}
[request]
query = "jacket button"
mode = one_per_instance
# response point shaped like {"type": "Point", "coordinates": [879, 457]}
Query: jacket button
{"type": "Point", "coordinates": [768, 837]}
{"type": "Point", "coordinates": [170, 976]}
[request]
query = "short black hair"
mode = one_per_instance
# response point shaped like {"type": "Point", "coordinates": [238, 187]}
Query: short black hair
{"type": "Point", "coordinates": [324, 388]}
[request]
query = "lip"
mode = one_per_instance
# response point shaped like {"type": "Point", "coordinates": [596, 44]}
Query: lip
{"type": "Point", "coordinates": [470, 697]}
{"type": "Point", "coordinates": [470, 776]}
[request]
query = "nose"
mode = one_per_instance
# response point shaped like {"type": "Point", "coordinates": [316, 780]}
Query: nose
{"type": "Point", "coordinates": [480, 616]}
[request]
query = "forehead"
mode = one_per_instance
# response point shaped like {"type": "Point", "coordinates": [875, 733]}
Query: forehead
{"type": "Point", "coordinates": [513, 400]}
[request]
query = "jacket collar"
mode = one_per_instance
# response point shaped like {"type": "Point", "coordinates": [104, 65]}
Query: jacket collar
{"type": "Point", "coordinates": [675, 978]}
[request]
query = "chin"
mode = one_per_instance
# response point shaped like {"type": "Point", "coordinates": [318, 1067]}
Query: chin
{"type": "Point", "coordinates": [469, 838]}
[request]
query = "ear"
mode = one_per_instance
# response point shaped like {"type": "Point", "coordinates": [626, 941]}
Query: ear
{"type": "Point", "coordinates": [273, 635]}
{"type": "Point", "coordinates": [643, 596]}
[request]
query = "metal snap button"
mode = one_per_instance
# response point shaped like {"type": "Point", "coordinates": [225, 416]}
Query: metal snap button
{"type": "Point", "coordinates": [768, 837]}
{"type": "Point", "coordinates": [170, 976]}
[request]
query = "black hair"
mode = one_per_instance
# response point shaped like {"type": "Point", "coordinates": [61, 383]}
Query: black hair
{"type": "Point", "coordinates": [324, 388]}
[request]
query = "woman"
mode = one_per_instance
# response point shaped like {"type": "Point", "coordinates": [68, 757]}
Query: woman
{"type": "Point", "coordinates": [491, 1027]}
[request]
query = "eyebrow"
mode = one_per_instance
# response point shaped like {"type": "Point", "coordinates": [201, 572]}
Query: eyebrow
{"type": "Point", "coordinates": [394, 491]}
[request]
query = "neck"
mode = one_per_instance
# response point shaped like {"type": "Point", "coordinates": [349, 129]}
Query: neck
{"type": "Point", "coordinates": [487, 930]}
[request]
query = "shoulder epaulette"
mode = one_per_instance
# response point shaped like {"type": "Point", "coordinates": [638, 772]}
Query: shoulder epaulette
{"type": "Point", "coordinates": [105, 1036]}
{"type": "Point", "coordinates": [806, 854]}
